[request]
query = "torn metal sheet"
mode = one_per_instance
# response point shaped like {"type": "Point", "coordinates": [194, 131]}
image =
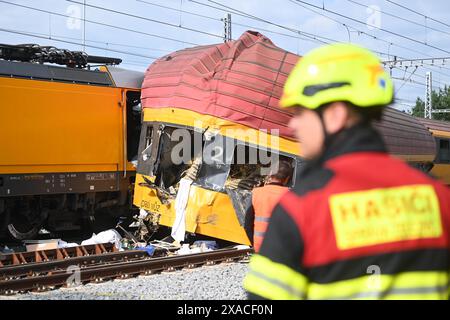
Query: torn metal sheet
{"type": "Point", "coordinates": [242, 200]}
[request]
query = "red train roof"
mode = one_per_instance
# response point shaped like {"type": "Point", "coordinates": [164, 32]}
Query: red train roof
{"type": "Point", "coordinates": [240, 81]}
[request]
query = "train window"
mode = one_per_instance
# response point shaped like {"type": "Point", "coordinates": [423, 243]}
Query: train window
{"type": "Point", "coordinates": [145, 164]}
{"type": "Point", "coordinates": [444, 151]}
{"type": "Point", "coordinates": [249, 169]}
{"type": "Point", "coordinates": [237, 166]}
{"type": "Point", "coordinates": [217, 157]}
{"type": "Point", "coordinates": [177, 156]}
{"type": "Point", "coordinates": [252, 165]}
{"type": "Point", "coordinates": [133, 124]}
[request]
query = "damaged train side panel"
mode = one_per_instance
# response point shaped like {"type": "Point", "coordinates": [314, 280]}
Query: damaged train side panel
{"type": "Point", "coordinates": [218, 194]}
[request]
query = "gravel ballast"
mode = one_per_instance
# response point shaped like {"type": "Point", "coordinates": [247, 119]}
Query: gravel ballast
{"type": "Point", "coordinates": [217, 282]}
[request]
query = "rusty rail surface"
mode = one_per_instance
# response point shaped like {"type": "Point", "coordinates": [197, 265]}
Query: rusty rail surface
{"type": "Point", "coordinates": [19, 258]}
{"type": "Point", "coordinates": [101, 271]}
{"type": "Point", "coordinates": [42, 268]}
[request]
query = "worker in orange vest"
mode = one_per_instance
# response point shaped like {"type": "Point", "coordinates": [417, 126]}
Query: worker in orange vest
{"type": "Point", "coordinates": [264, 200]}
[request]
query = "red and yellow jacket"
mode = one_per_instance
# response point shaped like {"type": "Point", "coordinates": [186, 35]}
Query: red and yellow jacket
{"type": "Point", "coordinates": [359, 224]}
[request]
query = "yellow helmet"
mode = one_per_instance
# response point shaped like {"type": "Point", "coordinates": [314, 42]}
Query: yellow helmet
{"type": "Point", "coordinates": [338, 72]}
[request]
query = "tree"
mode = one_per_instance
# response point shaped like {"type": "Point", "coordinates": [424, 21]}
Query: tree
{"type": "Point", "coordinates": [439, 100]}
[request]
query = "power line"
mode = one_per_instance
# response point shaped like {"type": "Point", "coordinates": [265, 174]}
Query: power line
{"type": "Point", "coordinates": [400, 18]}
{"type": "Point", "coordinates": [420, 62]}
{"type": "Point", "coordinates": [178, 10]}
{"type": "Point", "coordinates": [364, 23]}
{"type": "Point", "coordinates": [420, 14]}
{"type": "Point", "coordinates": [444, 59]}
{"type": "Point", "coordinates": [337, 21]}
{"type": "Point", "coordinates": [102, 42]}
{"type": "Point", "coordinates": [246, 15]}
{"type": "Point", "coordinates": [100, 23]}
{"type": "Point", "coordinates": [219, 20]}
{"type": "Point", "coordinates": [75, 43]}
{"type": "Point", "coordinates": [314, 36]}
{"type": "Point", "coordinates": [147, 19]}
{"type": "Point", "coordinates": [409, 78]}
{"type": "Point", "coordinates": [367, 34]}
{"type": "Point", "coordinates": [317, 38]}
{"type": "Point", "coordinates": [417, 75]}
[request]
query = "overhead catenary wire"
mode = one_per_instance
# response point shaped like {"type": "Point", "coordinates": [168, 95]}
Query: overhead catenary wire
{"type": "Point", "coordinates": [359, 31]}
{"type": "Point", "coordinates": [147, 19]}
{"type": "Point", "coordinates": [98, 41]}
{"type": "Point", "coordinates": [420, 14]}
{"type": "Point", "coordinates": [250, 16]}
{"type": "Point", "coordinates": [226, 8]}
{"type": "Point", "coordinates": [100, 23]}
{"type": "Point", "coordinates": [318, 38]}
{"type": "Point", "coordinates": [76, 43]}
{"type": "Point", "coordinates": [365, 23]}
{"type": "Point", "coordinates": [240, 13]}
{"type": "Point", "coordinates": [295, 32]}
{"type": "Point", "coordinates": [400, 88]}
{"type": "Point", "coordinates": [374, 37]}
{"type": "Point", "coordinates": [400, 18]}
{"type": "Point", "coordinates": [233, 22]}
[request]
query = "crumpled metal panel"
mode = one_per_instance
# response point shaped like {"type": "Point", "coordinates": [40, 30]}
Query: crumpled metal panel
{"type": "Point", "coordinates": [240, 81]}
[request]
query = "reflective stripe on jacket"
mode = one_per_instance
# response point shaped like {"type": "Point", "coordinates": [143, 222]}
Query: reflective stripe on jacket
{"type": "Point", "coordinates": [360, 224]}
{"type": "Point", "coordinates": [264, 200]}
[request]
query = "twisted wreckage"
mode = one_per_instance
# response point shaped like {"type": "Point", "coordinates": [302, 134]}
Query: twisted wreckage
{"type": "Point", "coordinates": [216, 108]}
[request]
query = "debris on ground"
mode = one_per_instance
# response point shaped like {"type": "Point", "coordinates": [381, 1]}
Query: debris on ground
{"type": "Point", "coordinates": [207, 243]}
{"type": "Point", "coordinates": [108, 236]}
{"type": "Point", "coordinates": [149, 249]}
{"type": "Point", "coordinates": [197, 247]}
{"type": "Point", "coordinates": [35, 245]}
{"type": "Point", "coordinates": [63, 244]}
{"type": "Point", "coordinates": [6, 250]}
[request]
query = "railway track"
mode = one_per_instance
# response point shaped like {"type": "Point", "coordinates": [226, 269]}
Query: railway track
{"type": "Point", "coordinates": [48, 275]}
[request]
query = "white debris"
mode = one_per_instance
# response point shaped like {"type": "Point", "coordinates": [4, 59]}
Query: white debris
{"type": "Point", "coordinates": [108, 236]}
{"type": "Point", "coordinates": [179, 225]}
{"type": "Point", "coordinates": [143, 214]}
{"type": "Point", "coordinates": [63, 244]}
{"type": "Point", "coordinates": [241, 247]}
{"type": "Point", "coordinates": [185, 249]}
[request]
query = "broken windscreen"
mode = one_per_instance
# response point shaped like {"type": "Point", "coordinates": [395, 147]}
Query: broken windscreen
{"type": "Point", "coordinates": [217, 159]}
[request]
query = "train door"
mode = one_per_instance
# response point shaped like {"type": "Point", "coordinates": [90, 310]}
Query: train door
{"type": "Point", "coordinates": [133, 118]}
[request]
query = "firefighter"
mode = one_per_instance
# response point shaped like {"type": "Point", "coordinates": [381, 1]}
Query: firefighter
{"type": "Point", "coordinates": [264, 200]}
{"type": "Point", "coordinates": [358, 224]}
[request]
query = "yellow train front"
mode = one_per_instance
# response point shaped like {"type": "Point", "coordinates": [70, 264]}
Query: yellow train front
{"type": "Point", "coordinates": [220, 105]}
{"type": "Point", "coordinates": [67, 139]}
{"type": "Point", "coordinates": [221, 185]}
{"type": "Point", "coordinates": [225, 98]}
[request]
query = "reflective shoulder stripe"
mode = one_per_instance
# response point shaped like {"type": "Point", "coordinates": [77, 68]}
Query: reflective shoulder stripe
{"type": "Point", "coordinates": [261, 219]}
{"type": "Point", "coordinates": [284, 282]}
{"type": "Point", "coordinates": [424, 284]}
{"type": "Point", "coordinates": [259, 234]}
{"type": "Point", "coordinates": [266, 288]}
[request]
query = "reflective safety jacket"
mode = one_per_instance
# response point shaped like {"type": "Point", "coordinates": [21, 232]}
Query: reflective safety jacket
{"type": "Point", "coordinates": [264, 200]}
{"type": "Point", "coordinates": [359, 224]}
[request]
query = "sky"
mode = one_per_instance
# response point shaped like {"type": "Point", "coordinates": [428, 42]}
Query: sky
{"type": "Point", "coordinates": [139, 31]}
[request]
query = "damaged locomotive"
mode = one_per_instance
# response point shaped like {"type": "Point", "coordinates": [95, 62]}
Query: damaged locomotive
{"type": "Point", "coordinates": [210, 106]}
{"type": "Point", "coordinates": [211, 131]}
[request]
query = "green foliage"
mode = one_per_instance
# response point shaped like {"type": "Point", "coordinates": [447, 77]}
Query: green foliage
{"type": "Point", "coordinates": [439, 100]}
